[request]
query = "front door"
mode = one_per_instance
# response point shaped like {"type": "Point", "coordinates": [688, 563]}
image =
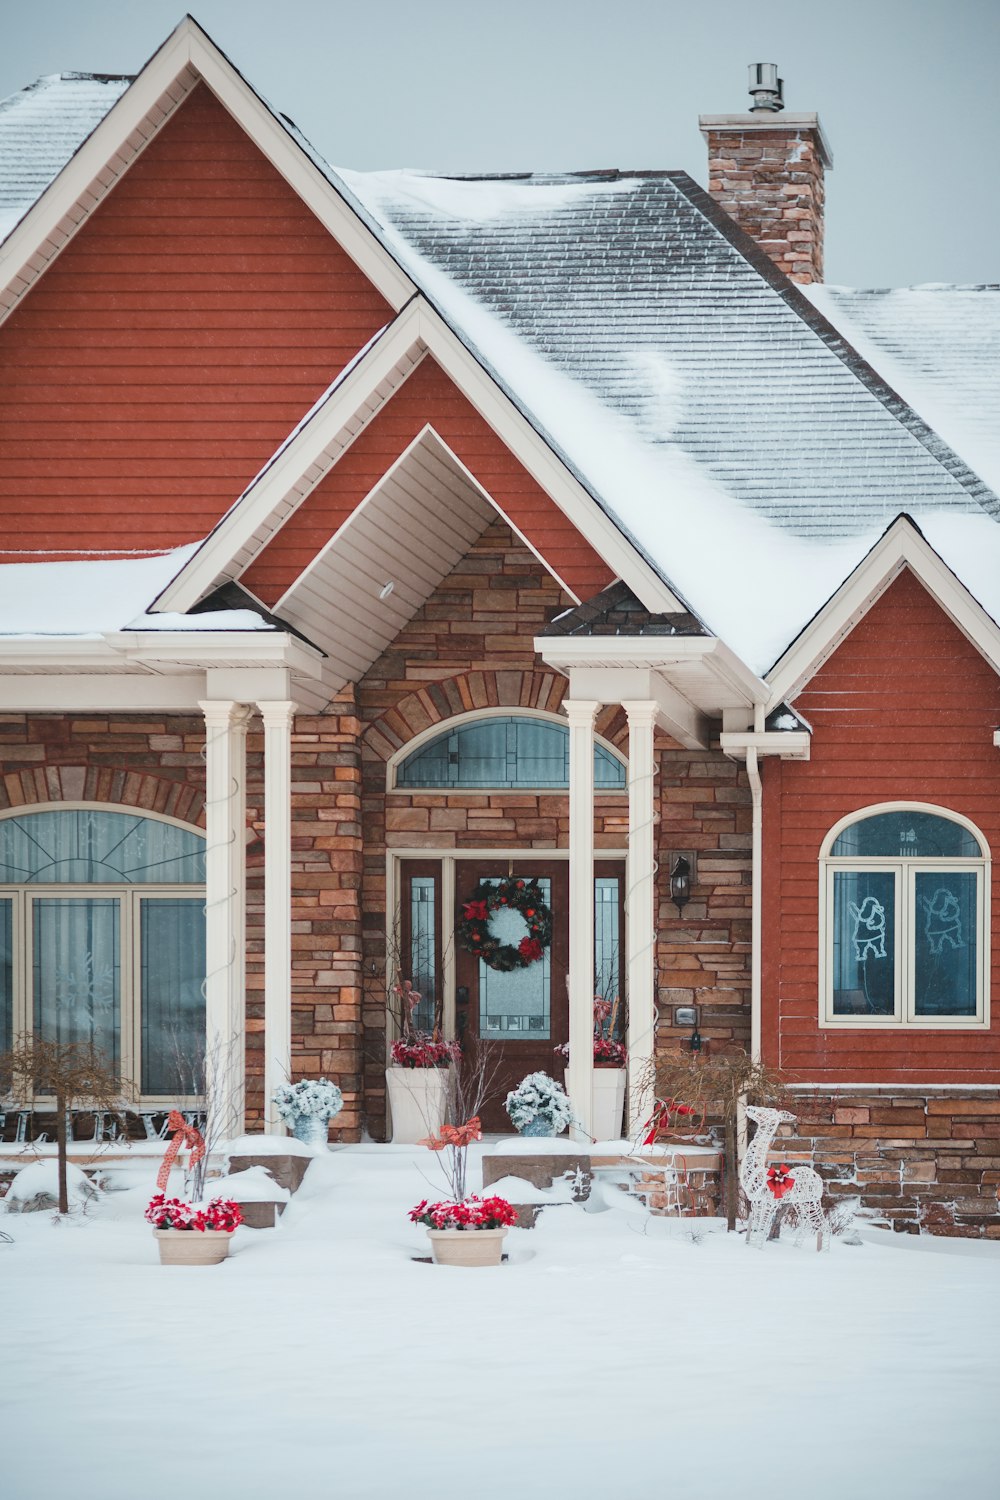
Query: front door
{"type": "Point", "coordinates": [522, 1012]}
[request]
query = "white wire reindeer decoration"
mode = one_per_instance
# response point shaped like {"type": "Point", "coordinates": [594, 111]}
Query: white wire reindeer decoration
{"type": "Point", "coordinates": [769, 1187]}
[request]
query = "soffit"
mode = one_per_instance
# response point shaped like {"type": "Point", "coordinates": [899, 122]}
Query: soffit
{"type": "Point", "coordinates": [411, 530]}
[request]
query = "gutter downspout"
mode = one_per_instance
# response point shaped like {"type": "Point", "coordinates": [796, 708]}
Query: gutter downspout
{"type": "Point", "coordinates": [756, 888]}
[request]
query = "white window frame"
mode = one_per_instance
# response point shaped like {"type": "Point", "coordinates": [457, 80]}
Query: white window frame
{"type": "Point", "coordinates": [21, 897]}
{"type": "Point", "coordinates": [904, 870]}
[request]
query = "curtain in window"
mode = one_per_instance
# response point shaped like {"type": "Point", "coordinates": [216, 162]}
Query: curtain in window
{"type": "Point", "coordinates": [76, 969]}
{"type": "Point", "coordinates": [172, 1000]}
{"type": "Point", "coordinates": [503, 752]}
{"type": "Point", "coordinates": [6, 974]}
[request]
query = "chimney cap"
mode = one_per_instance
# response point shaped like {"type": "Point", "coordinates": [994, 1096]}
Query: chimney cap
{"type": "Point", "coordinates": [766, 89]}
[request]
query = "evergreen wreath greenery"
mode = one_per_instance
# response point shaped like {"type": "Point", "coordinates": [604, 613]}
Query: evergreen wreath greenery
{"type": "Point", "coordinates": [513, 893]}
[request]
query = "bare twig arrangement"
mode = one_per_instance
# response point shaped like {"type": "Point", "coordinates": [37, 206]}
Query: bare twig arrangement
{"type": "Point", "coordinates": [74, 1074]}
{"type": "Point", "coordinates": [718, 1087]}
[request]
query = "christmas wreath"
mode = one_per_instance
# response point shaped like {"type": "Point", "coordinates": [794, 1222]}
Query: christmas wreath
{"type": "Point", "coordinates": [512, 894]}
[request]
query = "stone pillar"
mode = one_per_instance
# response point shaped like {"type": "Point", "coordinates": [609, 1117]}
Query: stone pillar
{"type": "Point", "coordinates": [640, 911]}
{"type": "Point", "coordinates": [225, 911]}
{"type": "Point", "coordinates": [580, 1072]}
{"type": "Point", "coordinates": [277, 717]}
{"type": "Point", "coordinates": [768, 172]}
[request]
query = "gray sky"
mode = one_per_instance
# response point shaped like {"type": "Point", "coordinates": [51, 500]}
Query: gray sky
{"type": "Point", "coordinates": [906, 91]}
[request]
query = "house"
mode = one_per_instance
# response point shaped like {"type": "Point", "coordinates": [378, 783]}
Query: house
{"type": "Point", "coordinates": [367, 537]}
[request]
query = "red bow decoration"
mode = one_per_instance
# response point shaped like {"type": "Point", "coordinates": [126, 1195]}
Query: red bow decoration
{"type": "Point", "coordinates": [475, 911]}
{"type": "Point", "coordinates": [530, 948]}
{"type": "Point", "coordinates": [661, 1118]}
{"type": "Point", "coordinates": [780, 1181]}
{"type": "Point", "coordinates": [184, 1135]}
{"type": "Point", "coordinates": [455, 1135]}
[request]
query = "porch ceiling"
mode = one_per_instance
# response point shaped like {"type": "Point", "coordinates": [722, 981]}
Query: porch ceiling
{"type": "Point", "coordinates": [411, 530]}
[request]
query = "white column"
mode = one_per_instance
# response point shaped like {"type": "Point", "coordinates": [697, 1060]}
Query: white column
{"type": "Point", "coordinates": [580, 1073]}
{"type": "Point", "coordinates": [277, 717]}
{"type": "Point", "coordinates": [640, 911]}
{"type": "Point", "coordinates": [225, 910]}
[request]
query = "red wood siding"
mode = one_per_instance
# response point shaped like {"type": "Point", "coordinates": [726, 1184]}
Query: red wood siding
{"type": "Point", "coordinates": [904, 710]}
{"type": "Point", "coordinates": [427, 396]}
{"type": "Point", "coordinates": [168, 350]}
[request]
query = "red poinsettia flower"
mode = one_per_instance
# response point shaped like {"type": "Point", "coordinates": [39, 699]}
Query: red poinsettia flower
{"type": "Point", "coordinates": [475, 911]}
{"type": "Point", "coordinates": [530, 948]}
{"type": "Point", "coordinates": [780, 1181]}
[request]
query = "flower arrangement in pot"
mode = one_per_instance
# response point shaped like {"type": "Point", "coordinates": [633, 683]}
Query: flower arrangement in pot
{"type": "Point", "coordinates": [539, 1106]}
{"type": "Point", "coordinates": [190, 1233]}
{"type": "Point", "coordinates": [419, 1066]}
{"type": "Point", "coordinates": [465, 1229]}
{"type": "Point", "coordinates": [193, 1234]}
{"type": "Point", "coordinates": [466, 1233]}
{"type": "Point", "coordinates": [307, 1107]}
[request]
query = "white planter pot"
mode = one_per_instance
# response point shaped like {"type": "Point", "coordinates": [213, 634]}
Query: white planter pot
{"type": "Point", "coordinates": [193, 1247]}
{"type": "Point", "coordinates": [466, 1247]}
{"type": "Point", "coordinates": [609, 1103]}
{"type": "Point", "coordinates": [417, 1101]}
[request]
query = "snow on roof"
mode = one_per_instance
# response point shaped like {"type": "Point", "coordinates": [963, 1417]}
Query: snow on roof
{"type": "Point", "coordinates": [94, 597]}
{"type": "Point", "coordinates": [722, 425]}
{"type": "Point", "coordinates": [939, 347]}
{"type": "Point", "coordinates": [741, 443]}
{"type": "Point", "coordinates": [41, 128]}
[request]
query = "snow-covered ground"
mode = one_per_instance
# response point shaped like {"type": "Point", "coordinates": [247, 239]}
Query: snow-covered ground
{"type": "Point", "coordinates": [612, 1355]}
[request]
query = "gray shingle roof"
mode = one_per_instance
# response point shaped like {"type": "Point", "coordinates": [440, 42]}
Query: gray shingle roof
{"type": "Point", "coordinates": [41, 128]}
{"type": "Point", "coordinates": [939, 347]}
{"type": "Point", "coordinates": [654, 301]}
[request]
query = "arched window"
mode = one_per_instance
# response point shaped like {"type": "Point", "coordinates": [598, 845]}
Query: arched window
{"type": "Point", "coordinates": [509, 752]}
{"type": "Point", "coordinates": [102, 939]}
{"type": "Point", "coordinates": [904, 920]}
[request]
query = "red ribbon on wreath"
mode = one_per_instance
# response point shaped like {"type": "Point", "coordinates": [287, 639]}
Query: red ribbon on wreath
{"type": "Point", "coordinates": [184, 1135]}
{"type": "Point", "coordinates": [780, 1181]}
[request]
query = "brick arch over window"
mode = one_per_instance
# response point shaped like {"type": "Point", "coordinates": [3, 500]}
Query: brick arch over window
{"type": "Point", "coordinates": [103, 784]}
{"type": "Point", "coordinates": [440, 701]}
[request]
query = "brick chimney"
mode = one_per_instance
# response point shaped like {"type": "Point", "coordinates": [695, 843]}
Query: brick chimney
{"type": "Point", "coordinates": [766, 169]}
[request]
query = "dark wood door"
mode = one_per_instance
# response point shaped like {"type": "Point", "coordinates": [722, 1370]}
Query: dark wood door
{"type": "Point", "coordinates": [522, 1013]}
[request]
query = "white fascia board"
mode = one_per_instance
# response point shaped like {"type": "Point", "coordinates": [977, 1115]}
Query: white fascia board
{"type": "Point", "coordinates": [675, 713]}
{"type": "Point", "coordinates": [544, 464]}
{"type": "Point", "coordinates": [256, 504]}
{"type": "Point", "coordinates": [901, 547]}
{"type": "Point", "coordinates": [274, 647]}
{"type": "Point", "coordinates": [84, 692]}
{"type": "Point", "coordinates": [658, 652]}
{"type": "Point", "coordinates": [793, 744]}
{"type": "Point", "coordinates": [189, 46]}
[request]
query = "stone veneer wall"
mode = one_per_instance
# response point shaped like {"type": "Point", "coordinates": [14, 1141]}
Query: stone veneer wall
{"type": "Point", "coordinates": [921, 1161]}
{"type": "Point", "coordinates": [155, 763]}
{"type": "Point", "coordinates": [471, 647]}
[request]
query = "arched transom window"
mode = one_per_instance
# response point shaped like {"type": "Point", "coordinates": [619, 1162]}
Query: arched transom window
{"type": "Point", "coordinates": [904, 929]}
{"type": "Point", "coordinates": [507, 752]}
{"type": "Point", "coordinates": [102, 939]}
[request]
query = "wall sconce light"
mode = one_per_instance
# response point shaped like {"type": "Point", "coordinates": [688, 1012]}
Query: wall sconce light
{"type": "Point", "coordinates": [680, 883]}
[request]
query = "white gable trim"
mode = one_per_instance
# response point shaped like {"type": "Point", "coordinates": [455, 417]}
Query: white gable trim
{"type": "Point", "coordinates": [187, 56]}
{"type": "Point", "coordinates": [260, 507]}
{"type": "Point", "coordinates": [901, 547]}
{"type": "Point", "coordinates": [417, 330]}
{"type": "Point", "coordinates": [428, 430]}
